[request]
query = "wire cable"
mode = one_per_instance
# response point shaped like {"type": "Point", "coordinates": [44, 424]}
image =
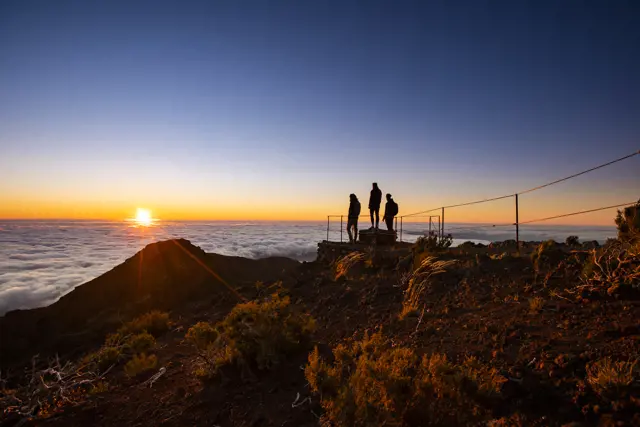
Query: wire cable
{"type": "Point", "coordinates": [531, 189]}
{"type": "Point", "coordinates": [576, 213]}
{"type": "Point", "coordinates": [580, 173]}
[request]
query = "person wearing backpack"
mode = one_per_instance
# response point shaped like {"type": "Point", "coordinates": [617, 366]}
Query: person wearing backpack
{"type": "Point", "coordinates": [390, 211]}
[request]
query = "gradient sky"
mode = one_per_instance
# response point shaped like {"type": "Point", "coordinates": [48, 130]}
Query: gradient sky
{"type": "Point", "coordinates": [280, 109]}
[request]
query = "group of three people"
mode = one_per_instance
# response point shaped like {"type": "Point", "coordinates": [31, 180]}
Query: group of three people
{"type": "Point", "coordinates": [375, 198]}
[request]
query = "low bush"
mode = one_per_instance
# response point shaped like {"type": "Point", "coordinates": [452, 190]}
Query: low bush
{"type": "Point", "coordinates": [628, 222]}
{"type": "Point", "coordinates": [141, 342]}
{"type": "Point", "coordinates": [432, 243]}
{"type": "Point", "coordinates": [546, 254]}
{"type": "Point", "coordinates": [371, 382]}
{"type": "Point", "coordinates": [613, 268]}
{"type": "Point", "coordinates": [253, 335]}
{"type": "Point", "coordinates": [572, 241]}
{"type": "Point", "coordinates": [154, 322]}
{"type": "Point", "coordinates": [139, 364]}
{"type": "Point", "coordinates": [104, 358]}
{"type": "Point", "coordinates": [202, 335]}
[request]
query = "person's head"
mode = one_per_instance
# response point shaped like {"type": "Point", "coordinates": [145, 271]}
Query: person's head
{"type": "Point", "coordinates": [352, 197]}
{"type": "Point", "coordinates": [375, 185]}
{"type": "Point", "coordinates": [388, 196]}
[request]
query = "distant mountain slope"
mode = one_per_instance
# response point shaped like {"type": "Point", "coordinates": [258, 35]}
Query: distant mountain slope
{"type": "Point", "coordinates": [161, 276]}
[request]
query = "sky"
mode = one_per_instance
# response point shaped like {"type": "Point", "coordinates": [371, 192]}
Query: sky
{"type": "Point", "coordinates": [280, 109]}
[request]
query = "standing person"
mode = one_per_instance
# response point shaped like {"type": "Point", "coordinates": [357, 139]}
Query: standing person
{"type": "Point", "coordinates": [352, 222]}
{"type": "Point", "coordinates": [390, 211]}
{"type": "Point", "coordinates": [374, 203]}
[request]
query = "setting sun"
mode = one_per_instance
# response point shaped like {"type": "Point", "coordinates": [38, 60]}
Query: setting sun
{"type": "Point", "coordinates": [143, 217]}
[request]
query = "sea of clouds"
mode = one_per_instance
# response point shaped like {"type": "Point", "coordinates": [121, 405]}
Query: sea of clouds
{"type": "Point", "coordinates": [42, 260]}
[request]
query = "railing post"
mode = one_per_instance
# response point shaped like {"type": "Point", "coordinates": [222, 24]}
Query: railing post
{"type": "Point", "coordinates": [442, 225]}
{"type": "Point", "coordinates": [327, 228]}
{"type": "Point", "coordinates": [517, 225]}
{"type": "Point", "coordinates": [401, 220]}
{"type": "Point", "coordinates": [340, 228]}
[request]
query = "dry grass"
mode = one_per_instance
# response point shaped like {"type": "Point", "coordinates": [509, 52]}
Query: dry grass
{"type": "Point", "coordinates": [139, 364]}
{"type": "Point", "coordinates": [344, 264]}
{"type": "Point", "coordinates": [371, 382]}
{"type": "Point", "coordinates": [609, 378]}
{"type": "Point", "coordinates": [418, 281]}
{"type": "Point", "coordinates": [536, 304]}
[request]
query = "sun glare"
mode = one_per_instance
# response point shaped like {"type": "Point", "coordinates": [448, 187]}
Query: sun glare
{"type": "Point", "coordinates": [143, 217]}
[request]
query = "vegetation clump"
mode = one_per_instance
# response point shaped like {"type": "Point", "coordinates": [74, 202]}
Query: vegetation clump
{"type": "Point", "coordinates": [613, 269]}
{"type": "Point", "coordinates": [104, 358]}
{"type": "Point", "coordinates": [139, 364]}
{"type": "Point", "coordinates": [572, 241]}
{"type": "Point", "coordinates": [141, 342]}
{"type": "Point", "coordinates": [154, 322]}
{"type": "Point", "coordinates": [371, 382]}
{"type": "Point", "coordinates": [253, 335]}
{"type": "Point", "coordinates": [546, 254]}
{"type": "Point", "coordinates": [432, 243]}
{"type": "Point", "coordinates": [628, 222]}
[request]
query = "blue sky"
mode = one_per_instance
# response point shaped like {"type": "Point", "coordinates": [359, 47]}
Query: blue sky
{"type": "Point", "coordinates": [264, 109]}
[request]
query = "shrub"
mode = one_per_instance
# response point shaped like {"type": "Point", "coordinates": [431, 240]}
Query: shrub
{"type": "Point", "coordinates": [253, 335]}
{"type": "Point", "coordinates": [418, 280]}
{"type": "Point", "coordinates": [431, 243]}
{"type": "Point", "coordinates": [546, 253]}
{"type": "Point", "coordinates": [536, 304]}
{"type": "Point", "coordinates": [344, 264]}
{"type": "Point", "coordinates": [154, 322]}
{"type": "Point", "coordinates": [371, 382]}
{"type": "Point", "coordinates": [104, 358]}
{"type": "Point", "coordinates": [141, 342]}
{"type": "Point", "coordinates": [572, 241]}
{"type": "Point", "coordinates": [202, 335]}
{"type": "Point", "coordinates": [99, 387]}
{"type": "Point", "coordinates": [628, 222]}
{"type": "Point", "coordinates": [140, 363]}
{"type": "Point", "coordinates": [609, 379]}
{"type": "Point", "coordinates": [613, 268]}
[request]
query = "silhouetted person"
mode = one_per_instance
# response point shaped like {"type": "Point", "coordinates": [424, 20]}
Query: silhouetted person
{"type": "Point", "coordinates": [374, 203]}
{"type": "Point", "coordinates": [352, 222]}
{"type": "Point", "coordinates": [390, 211]}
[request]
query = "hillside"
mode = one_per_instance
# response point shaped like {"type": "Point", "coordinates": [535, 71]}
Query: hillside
{"type": "Point", "coordinates": [455, 337]}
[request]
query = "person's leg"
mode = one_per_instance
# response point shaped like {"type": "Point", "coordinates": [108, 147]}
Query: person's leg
{"type": "Point", "coordinates": [355, 230]}
{"type": "Point", "coordinates": [371, 210]}
{"type": "Point", "coordinates": [377, 216]}
{"type": "Point", "coordinates": [349, 225]}
{"type": "Point", "coordinates": [389, 224]}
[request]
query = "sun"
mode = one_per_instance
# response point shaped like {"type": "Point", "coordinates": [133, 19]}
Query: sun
{"type": "Point", "coordinates": [143, 217]}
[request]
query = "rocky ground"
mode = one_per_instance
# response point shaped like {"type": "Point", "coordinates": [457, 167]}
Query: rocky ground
{"type": "Point", "coordinates": [531, 319]}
